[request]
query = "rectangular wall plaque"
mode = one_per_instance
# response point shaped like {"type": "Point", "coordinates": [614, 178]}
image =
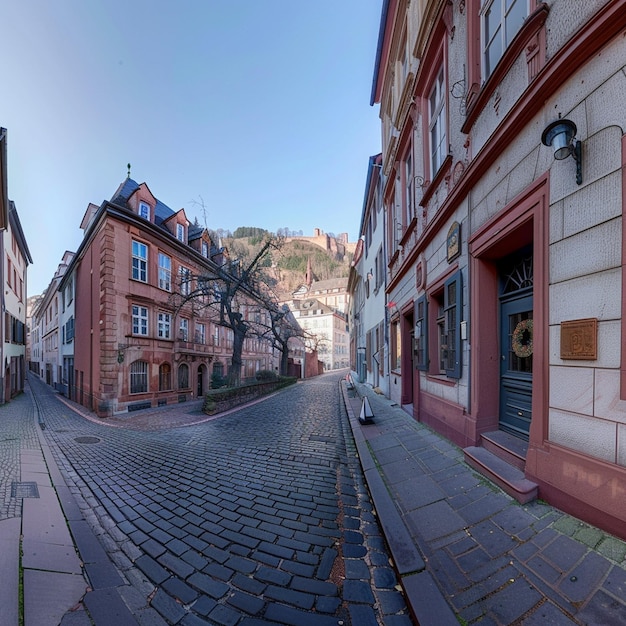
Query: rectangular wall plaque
{"type": "Point", "coordinates": [579, 339]}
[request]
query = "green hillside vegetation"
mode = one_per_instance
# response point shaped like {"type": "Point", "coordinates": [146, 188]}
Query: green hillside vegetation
{"type": "Point", "coordinates": [285, 269]}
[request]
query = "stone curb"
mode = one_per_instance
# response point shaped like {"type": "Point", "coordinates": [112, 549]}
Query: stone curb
{"type": "Point", "coordinates": [423, 597]}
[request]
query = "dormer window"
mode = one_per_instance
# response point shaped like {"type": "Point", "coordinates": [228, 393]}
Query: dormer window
{"type": "Point", "coordinates": [144, 210]}
{"type": "Point", "coordinates": [180, 232]}
{"type": "Point", "coordinates": [205, 249]}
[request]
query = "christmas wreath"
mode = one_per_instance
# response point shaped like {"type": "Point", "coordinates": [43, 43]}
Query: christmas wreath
{"type": "Point", "coordinates": [522, 340]}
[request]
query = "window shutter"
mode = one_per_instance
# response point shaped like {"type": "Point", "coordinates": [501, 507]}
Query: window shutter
{"type": "Point", "coordinates": [452, 293]}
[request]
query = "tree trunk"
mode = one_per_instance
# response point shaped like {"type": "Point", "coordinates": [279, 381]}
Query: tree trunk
{"type": "Point", "coordinates": [284, 361]}
{"type": "Point", "coordinates": [234, 371]}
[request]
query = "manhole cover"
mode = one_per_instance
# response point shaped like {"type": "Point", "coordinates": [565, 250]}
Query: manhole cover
{"type": "Point", "coordinates": [24, 490]}
{"type": "Point", "coordinates": [87, 440]}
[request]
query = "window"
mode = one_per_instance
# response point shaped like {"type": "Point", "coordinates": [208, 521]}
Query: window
{"type": "Point", "coordinates": [446, 308]}
{"type": "Point", "coordinates": [165, 272]}
{"type": "Point", "coordinates": [69, 330]}
{"type": "Point", "coordinates": [421, 346]}
{"type": "Point", "coordinates": [165, 377]}
{"type": "Point", "coordinates": [452, 314]}
{"type": "Point", "coordinates": [183, 329]}
{"type": "Point", "coordinates": [185, 280]}
{"type": "Point", "coordinates": [140, 262]}
{"type": "Point", "coordinates": [396, 346]}
{"type": "Point", "coordinates": [139, 377]}
{"type": "Point", "coordinates": [183, 376]}
{"type": "Point", "coordinates": [379, 268]}
{"type": "Point", "coordinates": [205, 249]}
{"type": "Point", "coordinates": [144, 210]}
{"type": "Point", "coordinates": [408, 188]}
{"type": "Point", "coordinates": [437, 123]}
{"type": "Point", "coordinates": [200, 333]}
{"type": "Point", "coordinates": [140, 320]}
{"type": "Point", "coordinates": [164, 325]}
{"type": "Point", "coordinates": [180, 232]}
{"type": "Point", "coordinates": [501, 20]}
{"type": "Point", "coordinates": [442, 338]}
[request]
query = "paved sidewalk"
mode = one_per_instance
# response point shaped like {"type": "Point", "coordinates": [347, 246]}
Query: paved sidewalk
{"type": "Point", "coordinates": [33, 524]}
{"type": "Point", "coordinates": [467, 552]}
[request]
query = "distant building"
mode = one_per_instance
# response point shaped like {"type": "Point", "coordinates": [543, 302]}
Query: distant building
{"type": "Point", "coordinates": [47, 330]}
{"type": "Point", "coordinates": [321, 311]}
{"type": "Point", "coordinates": [338, 247]}
{"type": "Point", "coordinates": [369, 318]}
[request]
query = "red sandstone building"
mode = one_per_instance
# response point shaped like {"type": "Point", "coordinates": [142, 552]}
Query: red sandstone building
{"type": "Point", "coordinates": [131, 343]}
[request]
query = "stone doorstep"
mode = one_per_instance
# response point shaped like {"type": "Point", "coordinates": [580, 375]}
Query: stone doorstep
{"type": "Point", "coordinates": [506, 476]}
{"type": "Point", "coordinates": [509, 448]}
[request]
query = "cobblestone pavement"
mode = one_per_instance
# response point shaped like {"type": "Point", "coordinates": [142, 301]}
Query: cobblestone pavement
{"type": "Point", "coordinates": [257, 517]}
{"type": "Point", "coordinates": [15, 436]}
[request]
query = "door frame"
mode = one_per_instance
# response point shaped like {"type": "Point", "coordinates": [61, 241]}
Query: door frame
{"type": "Point", "coordinates": [523, 221]}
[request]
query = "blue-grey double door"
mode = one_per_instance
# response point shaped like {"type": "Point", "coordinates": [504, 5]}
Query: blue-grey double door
{"type": "Point", "coordinates": [516, 362]}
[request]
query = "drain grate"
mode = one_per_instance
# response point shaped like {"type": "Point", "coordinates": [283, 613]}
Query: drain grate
{"type": "Point", "coordinates": [24, 490]}
{"type": "Point", "coordinates": [87, 440]}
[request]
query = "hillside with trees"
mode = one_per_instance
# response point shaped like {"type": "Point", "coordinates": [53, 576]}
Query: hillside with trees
{"type": "Point", "coordinates": [286, 267]}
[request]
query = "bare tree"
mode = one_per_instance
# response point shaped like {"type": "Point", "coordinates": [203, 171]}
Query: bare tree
{"type": "Point", "coordinates": [278, 326]}
{"type": "Point", "coordinates": [228, 289]}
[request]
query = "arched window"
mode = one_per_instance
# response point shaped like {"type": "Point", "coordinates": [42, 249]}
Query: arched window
{"type": "Point", "coordinates": [183, 376]}
{"type": "Point", "coordinates": [139, 377]}
{"type": "Point", "coordinates": [165, 377]}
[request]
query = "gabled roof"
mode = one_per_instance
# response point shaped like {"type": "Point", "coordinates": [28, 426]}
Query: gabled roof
{"type": "Point", "coordinates": [16, 227]}
{"type": "Point", "coordinates": [377, 79]}
{"type": "Point", "coordinates": [4, 198]}
{"type": "Point", "coordinates": [126, 190]}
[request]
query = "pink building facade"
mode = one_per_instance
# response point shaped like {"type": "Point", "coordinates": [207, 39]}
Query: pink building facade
{"type": "Point", "coordinates": [505, 246]}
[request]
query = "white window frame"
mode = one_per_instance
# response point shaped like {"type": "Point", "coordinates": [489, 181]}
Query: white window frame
{"type": "Point", "coordinates": [502, 31]}
{"type": "Point", "coordinates": [184, 274]}
{"type": "Point", "coordinates": [164, 325]}
{"type": "Point", "coordinates": [180, 232]}
{"type": "Point", "coordinates": [408, 186]}
{"type": "Point", "coordinates": [183, 329]}
{"type": "Point", "coordinates": [140, 320]}
{"type": "Point", "coordinates": [201, 333]}
{"type": "Point", "coordinates": [140, 261]}
{"type": "Point", "coordinates": [205, 249]}
{"type": "Point", "coordinates": [165, 272]}
{"type": "Point", "coordinates": [437, 122]}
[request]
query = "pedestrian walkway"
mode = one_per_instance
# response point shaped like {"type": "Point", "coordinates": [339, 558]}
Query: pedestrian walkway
{"type": "Point", "coordinates": [467, 552]}
{"type": "Point", "coordinates": [34, 536]}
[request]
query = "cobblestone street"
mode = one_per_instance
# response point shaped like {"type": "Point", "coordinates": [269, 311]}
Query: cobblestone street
{"type": "Point", "coordinates": [256, 517]}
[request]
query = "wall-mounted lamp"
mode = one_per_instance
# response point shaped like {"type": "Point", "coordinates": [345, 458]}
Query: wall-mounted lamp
{"type": "Point", "coordinates": [560, 136]}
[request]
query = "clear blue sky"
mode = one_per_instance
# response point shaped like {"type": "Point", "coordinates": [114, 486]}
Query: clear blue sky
{"type": "Point", "coordinates": [260, 107]}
